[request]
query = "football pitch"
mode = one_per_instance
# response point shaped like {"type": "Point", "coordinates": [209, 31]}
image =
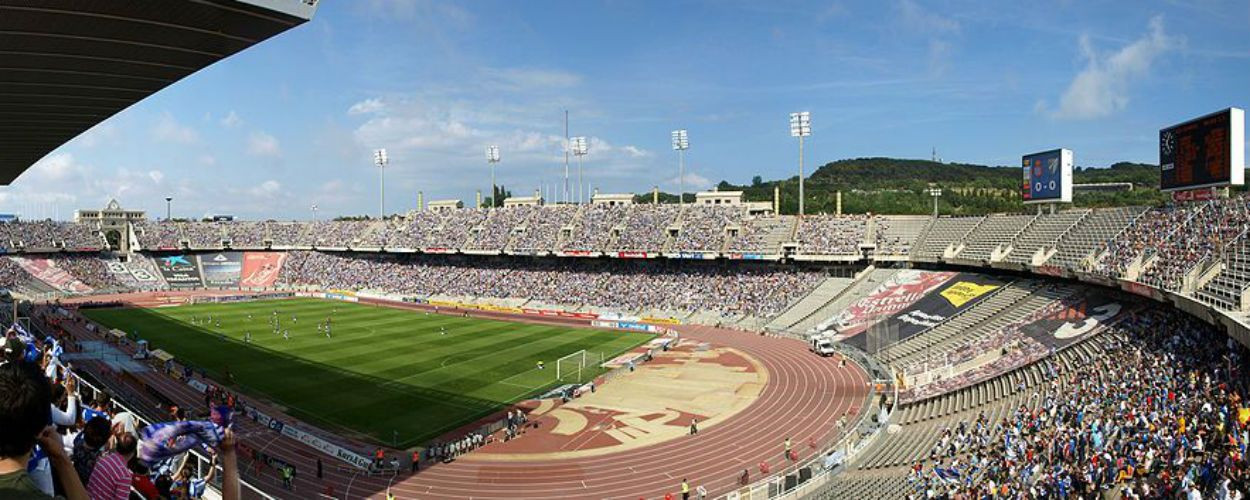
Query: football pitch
{"type": "Point", "coordinates": [395, 376]}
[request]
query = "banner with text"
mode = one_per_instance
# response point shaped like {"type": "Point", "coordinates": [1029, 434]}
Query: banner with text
{"type": "Point", "coordinates": [179, 271]}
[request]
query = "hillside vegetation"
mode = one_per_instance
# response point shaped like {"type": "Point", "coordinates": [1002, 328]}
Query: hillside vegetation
{"type": "Point", "coordinates": [900, 186]}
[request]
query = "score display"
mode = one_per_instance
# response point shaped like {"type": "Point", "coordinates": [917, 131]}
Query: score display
{"type": "Point", "coordinates": [1047, 177]}
{"type": "Point", "coordinates": [1203, 152]}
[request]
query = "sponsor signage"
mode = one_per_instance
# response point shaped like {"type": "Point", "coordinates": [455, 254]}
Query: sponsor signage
{"type": "Point", "coordinates": [221, 268]}
{"type": "Point", "coordinates": [695, 255]}
{"type": "Point", "coordinates": [903, 289]}
{"type": "Point", "coordinates": [179, 271]}
{"type": "Point", "coordinates": [955, 295]}
{"type": "Point", "coordinates": [1203, 152]}
{"type": "Point", "coordinates": [260, 269]}
{"type": "Point", "coordinates": [47, 271]}
{"type": "Point", "coordinates": [576, 253]}
{"type": "Point", "coordinates": [632, 255]}
{"type": "Point", "coordinates": [1193, 195]}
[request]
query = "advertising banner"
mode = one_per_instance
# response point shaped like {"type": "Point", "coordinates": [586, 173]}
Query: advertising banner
{"type": "Point", "coordinates": [179, 271]}
{"type": "Point", "coordinates": [47, 271]}
{"type": "Point", "coordinates": [903, 289]}
{"type": "Point", "coordinates": [221, 268]}
{"type": "Point", "coordinates": [956, 294]}
{"type": "Point", "coordinates": [260, 269]}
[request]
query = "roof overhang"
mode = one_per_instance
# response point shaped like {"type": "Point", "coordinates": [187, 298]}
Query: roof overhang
{"type": "Point", "coordinates": [67, 65]}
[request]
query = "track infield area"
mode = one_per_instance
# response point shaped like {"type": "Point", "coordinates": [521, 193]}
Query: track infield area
{"type": "Point", "coordinates": [383, 373]}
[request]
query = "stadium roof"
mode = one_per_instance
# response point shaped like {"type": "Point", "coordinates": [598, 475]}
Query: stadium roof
{"type": "Point", "coordinates": [67, 65]}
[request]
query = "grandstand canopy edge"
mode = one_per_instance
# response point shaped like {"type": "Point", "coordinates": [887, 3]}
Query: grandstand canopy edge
{"type": "Point", "coordinates": [71, 64]}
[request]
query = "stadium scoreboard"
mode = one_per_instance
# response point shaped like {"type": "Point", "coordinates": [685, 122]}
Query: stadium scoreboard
{"type": "Point", "coordinates": [1047, 177]}
{"type": "Point", "coordinates": [1204, 152]}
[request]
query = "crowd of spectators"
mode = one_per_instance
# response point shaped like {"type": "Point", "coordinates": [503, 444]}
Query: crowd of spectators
{"type": "Point", "coordinates": [202, 234]}
{"type": "Point", "coordinates": [455, 228]}
{"type": "Point", "coordinates": [162, 234]}
{"type": "Point", "coordinates": [1140, 239]}
{"type": "Point", "coordinates": [542, 232]}
{"type": "Point", "coordinates": [496, 231]}
{"type": "Point", "coordinates": [49, 234]}
{"type": "Point", "coordinates": [632, 285]}
{"type": "Point", "coordinates": [592, 231]}
{"type": "Point", "coordinates": [1161, 415]}
{"type": "Point", "coordinates": [91, 270]}
{"type": "Point", "coordinates": [831, 234]}
{"type": "Point", "coordinates": [703, 228]}
{"type": "Point", "coordinates": [11, 274]}
{"type": "Point", "coordinates": [1202, 235]}
{"type": "Point", "coordinates": [645, 229]}
{"type": "Point", "coordinates": [246, 234]}
{"type": "Point", "coordinates": [55, 443]}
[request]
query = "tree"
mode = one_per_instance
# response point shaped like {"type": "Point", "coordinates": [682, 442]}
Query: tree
{"type": "Point", "coordinates": [757, 181]}
{"type": "Point", "coordinates": [501, 194]}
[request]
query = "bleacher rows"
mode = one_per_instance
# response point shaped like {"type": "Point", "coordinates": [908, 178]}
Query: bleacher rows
{"type": "Point", "coordinates": [995, 231]}
{"type": "Point", "coordinates": [921, 423]}
{"type": "Point", "coordinates": [968, 322]}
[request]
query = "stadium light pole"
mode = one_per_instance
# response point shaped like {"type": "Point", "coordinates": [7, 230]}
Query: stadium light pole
{"type": "Point", "coordinates": [380, 159]}
{"type": "Point", "coordinates": [168, 200]}
{"type": "Point", "coordinates": [800, 126]}
{"type": "Point", "coordinates": [314, 211]}
{"type": "Point", "coordinates": [492, 157]}
{"type": "Point", "coordinates": [580, 148]}
{"type": "Point", "coordinates": [935, 193]}
{"type": "Point", "coordinates": [681, 142]}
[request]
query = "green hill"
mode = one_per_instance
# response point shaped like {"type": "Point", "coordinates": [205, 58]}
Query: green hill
{"type": "Point", "coordinates": [900, 186]}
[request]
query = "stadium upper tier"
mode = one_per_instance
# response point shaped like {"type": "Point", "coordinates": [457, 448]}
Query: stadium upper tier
{"type": "Point", "coordinates": [1198, 249]}
{"type": "Point", "coordinates": [70, 64]}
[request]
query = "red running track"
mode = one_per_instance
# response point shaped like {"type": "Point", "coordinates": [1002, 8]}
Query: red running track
{"type": "Point", "coordinates": [803, 399]}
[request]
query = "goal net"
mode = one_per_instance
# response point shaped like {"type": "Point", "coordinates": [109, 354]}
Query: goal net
{"type": "Point", "coordinates": [570, 368]}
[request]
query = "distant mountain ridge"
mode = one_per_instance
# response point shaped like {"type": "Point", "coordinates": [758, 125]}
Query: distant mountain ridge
{"type": "Point", "coordinates": [900, 186]}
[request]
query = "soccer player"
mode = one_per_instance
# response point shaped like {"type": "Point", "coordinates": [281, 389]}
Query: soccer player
{"type": "Point", "coordinates": [442, 330]}
{"type": "Point", "coordinates": [286, 334]}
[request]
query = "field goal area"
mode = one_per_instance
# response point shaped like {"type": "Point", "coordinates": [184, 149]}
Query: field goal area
{"type": "Point", "coordinates": [574, 367]}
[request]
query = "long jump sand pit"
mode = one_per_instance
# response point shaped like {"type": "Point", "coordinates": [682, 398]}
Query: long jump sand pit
{"type": "Point", "coordinates": [653, 404]}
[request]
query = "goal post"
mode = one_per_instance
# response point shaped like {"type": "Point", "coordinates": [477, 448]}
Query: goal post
{"type": "Point", "coordinates": [570, 367]}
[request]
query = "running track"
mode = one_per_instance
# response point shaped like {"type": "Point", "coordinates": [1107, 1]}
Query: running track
{"type": "Point", "coordinates": [803, 399]}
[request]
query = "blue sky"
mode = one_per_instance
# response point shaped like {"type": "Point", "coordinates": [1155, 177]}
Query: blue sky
{"type": "Point", "coordinates": [291, 122]}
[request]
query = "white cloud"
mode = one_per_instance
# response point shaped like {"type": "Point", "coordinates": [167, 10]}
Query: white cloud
{"type": "Point", "coordinates": [694, 182]}
{"type": "Point", "coordinates": [1102, 88]}
{"type": "Point", "coordinates": [156, 175]}
{"type": "Point", "coordinates": [517, 79]}
{"type": "Point", "coordinates": [372, 105]}
{"type": "Point", "coordinates": [167, 129]}
{"type": "Point", "coordinates": [58, 167]}
{"type": "Point", "coordinates": [266, 189]}
{"type": "Point", "coordinates": [917, 18]}
{"type": "Point", "coordinates": [262, 144]}
{"type": "Point", "coordinates": [208, 160]}
{"type": "Point", "coordinates": [231, 120]}
{"type": "Point", "coordinates": [100, 134]}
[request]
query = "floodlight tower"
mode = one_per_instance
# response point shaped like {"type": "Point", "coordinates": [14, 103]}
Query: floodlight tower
{"type": "Point", "coordinates": [380, 159]}
{"type": "Point", "coordinates": [580, 148]}
{"type": "Point", "coordinates": [168, 201]}
{"type": "Point", "coordinates": [492, 157]}
{"type": "Point", "coordinates": [935, 193]}
{"type": "Point", "coordinates": [681, 142]}
{"type": "Point", "coordinates": [800, 126]}
{"type": "Point", "coordinates": [314, 211]}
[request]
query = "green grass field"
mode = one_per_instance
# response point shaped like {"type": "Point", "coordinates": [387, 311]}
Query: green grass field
{"type": "Point", "coordinates": [384, 373]}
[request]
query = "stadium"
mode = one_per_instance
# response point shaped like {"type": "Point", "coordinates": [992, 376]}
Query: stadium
{"type": "Point", "coordinates": [722, 343]}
